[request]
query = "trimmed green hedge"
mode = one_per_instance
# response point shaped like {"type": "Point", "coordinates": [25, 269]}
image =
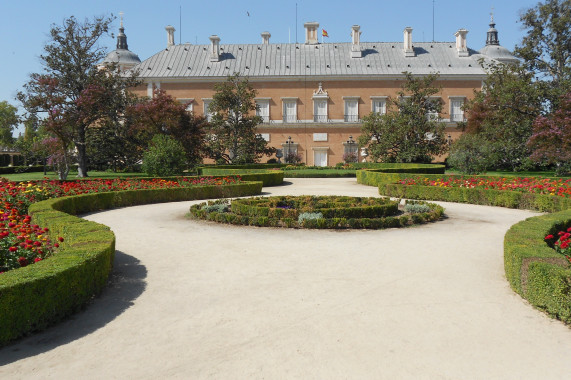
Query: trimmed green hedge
{"type": "Point", "coordinates": [21, 169]}
{"type": "Point", "coordinates": [502, 198]}
{"type": "Point", "coordinates": [268, 177]}
{"type": "Point", "coordinates": [36, 296]}
{"type": "Point", "coordinates": [256, 212]}
{"type": "Point", "coordinates": [391, 174]}
{"type": "Point", "coordinates": [534, 270]}
{"type": "Point", "coordinates": [245, 166]}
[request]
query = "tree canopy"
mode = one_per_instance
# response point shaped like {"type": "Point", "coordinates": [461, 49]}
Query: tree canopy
{"type": "Point", "coordinates": [8, 121]}
{"type": "Point", "coordinates": [410, 131]}
{"type": "Point", "coordinates": [232, 135]}
{"type": "Point", "coordinates": [74, 93]}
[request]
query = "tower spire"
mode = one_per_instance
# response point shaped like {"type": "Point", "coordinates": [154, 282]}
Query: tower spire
{"type": "Point", "coordinates": [121, 37]}
{"type": "Point", "coordinates": [492, 37]}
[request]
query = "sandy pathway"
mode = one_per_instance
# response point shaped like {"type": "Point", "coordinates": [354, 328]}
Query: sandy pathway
{"type": "Point", "coordinates": [195, 300]}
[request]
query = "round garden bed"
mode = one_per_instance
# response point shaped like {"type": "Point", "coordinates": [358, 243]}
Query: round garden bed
{"type": "Point", "coordinates": [332, 212]}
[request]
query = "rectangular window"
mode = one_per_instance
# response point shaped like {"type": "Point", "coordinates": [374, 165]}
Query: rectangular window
{"type": "Point", "coordinates": [379, 106]}
{"type": "Point", "coordinates": [289, 110]}
{"type": "Point", "coordinates": [320, 110]}
{"type": "Point", "coordinates": [207, 113]}
{"type": "Point", "coordinates": [189, 103]}
{"type": "Point", "coordinates": [263, 109]}
{"type": "Point", "coordinates": [351, 110]}
{"type": "Point", "coordinates": [432, 114]}
{"type": "Point", "coordinates": [456, 112]}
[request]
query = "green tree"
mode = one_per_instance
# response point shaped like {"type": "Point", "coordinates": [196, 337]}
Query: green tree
{"type": "Point", "coordinates": [502, 115]}
{"type": "Point", "coordinates": [66, 91]}
{"type": "Point", "coordinates": [8, 121]}
{"type": "Point", "coordinates": [546, 47]}
{"type": "Point", "coordinates": [232, 135]}
{"type": "Point", "coordinates": [410, 130]}
{"type": "Point", "coordinates": [165, 157]}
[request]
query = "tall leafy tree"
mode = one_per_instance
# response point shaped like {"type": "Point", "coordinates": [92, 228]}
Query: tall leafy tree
{"type": "Point", "coordinates": [164, 115]}
{"type": "Point", "coordinates": [232, 135]}
{"type": "Point", "coordinates": [8, 121]}
{"type": "Point", "coordinates": [502, 115]}
{"type": "Point", "coordinates": [551, 139]}
{"type": "Point", "coordinates": [64, 92]}
{"type": "Point", "coordinates": [410, 131]}
{"type": "Point", "coordinates": [546, 47]}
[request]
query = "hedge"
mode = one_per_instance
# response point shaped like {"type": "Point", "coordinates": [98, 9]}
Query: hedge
{"type": "Point", "coordinates": [534, 270]}
{"type": "Point", "coordinates": [21, 169]}
{"type": "Point", "coordinates": [268, 177]}
{"type": "Point", "coordinates": [501, 198]}
{"type": "Point", "coordinates": [36, 296]}
{"type": "Point", "coordinates": [373, 177]}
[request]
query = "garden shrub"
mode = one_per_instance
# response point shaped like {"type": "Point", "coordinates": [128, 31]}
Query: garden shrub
{"type": "Point", "coordinates": [268, 177]}
{"type": "Point", "coordinates": [165, 157]}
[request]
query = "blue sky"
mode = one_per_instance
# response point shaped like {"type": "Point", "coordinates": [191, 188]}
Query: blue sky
{"type": "Point", "coordinates": [25, 24]}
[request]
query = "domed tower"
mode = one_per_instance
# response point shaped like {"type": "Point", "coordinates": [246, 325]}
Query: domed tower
{"type": "Point", "coordinates": [493, 49]}
{"type": "Point", "coordinates": [122, 56]}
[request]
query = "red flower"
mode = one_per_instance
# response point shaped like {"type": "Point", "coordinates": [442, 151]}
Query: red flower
{"type": "Point", "coordinates": [22, 261]}
{"type": "Point", "coordinates": [549, 237]}
{"type": "Point", "coordinates": [60, 239]}
{"type": "Point", "coordinates": [13, 249]}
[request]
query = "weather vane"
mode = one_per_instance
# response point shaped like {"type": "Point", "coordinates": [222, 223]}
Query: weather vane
{"type": "Point", "coordinates": [492, 15]}
{"type": "Point", "coordinates": [121, 15]}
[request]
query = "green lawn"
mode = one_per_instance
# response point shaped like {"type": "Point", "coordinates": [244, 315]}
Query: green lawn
{"type": "Point", "coordinates": [72, 175]}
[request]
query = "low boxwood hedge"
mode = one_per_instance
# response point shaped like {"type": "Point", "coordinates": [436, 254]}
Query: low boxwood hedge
{"type": "Point", "coordinates": [393, 172]}
{"type": "Point", "coordinates": [287, 211]}
{"type": "Point", "coordinates": [39, 295]}
{"type": "Point", "coordinates": [535, 270]}
{"type": "Point", "coordinates": [21, 169]}
{"type": "Point", "coordinates": [268, 177]}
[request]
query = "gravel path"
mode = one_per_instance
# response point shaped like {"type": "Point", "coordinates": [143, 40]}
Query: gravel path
{"type": "Point", "coordinates": [195, 300]}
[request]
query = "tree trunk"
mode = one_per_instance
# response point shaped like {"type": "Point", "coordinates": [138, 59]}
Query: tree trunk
{"type": "Point", "coordinates": [81, 153]}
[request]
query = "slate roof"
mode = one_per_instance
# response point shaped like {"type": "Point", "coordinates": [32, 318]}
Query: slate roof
{"type": "Point", "coordinates": [383, 59]}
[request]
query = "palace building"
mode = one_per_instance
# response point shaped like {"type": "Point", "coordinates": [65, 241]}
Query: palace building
{"type": "Point", "coordinates": [312, 96]}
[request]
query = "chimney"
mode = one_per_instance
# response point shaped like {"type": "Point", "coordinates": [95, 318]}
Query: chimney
{"type": "Point", "coordinates": [170, 35]}
{"type": "Point", "coordinates": [461, 43]}
{"type": "Point", "coordinates": [356, 42]}
{"type": "Point", "coordinates": [214, 48]}
{"type": "Point", "coordinates": [266, 38]}
{"type": "Point", "coordinates": [408, 50]}
{"type": "Point", "coordinates": [311, 32]}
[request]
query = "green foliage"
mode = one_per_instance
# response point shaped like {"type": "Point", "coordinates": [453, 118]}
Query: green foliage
{"type": "Point", "coordinates": [308, 216]}
{"type": "Point", "coordinates": [232, 136]}
{"type": "Point", "coordinates": [546, 47]}
{"type": "Point", "coordinates": [316, 212]}
{"type": "Point", "coordinates": [470, 154]}
{"type": "Point", "coordinates": [8, 121]}
{"type": "Point", "coordinates": [415, 208]}
{"type": "Point", "coordinates": [268, 177]}
{"type": "Point", "coordinates": [407, 132]}
{"type": "Point", "coordinates": [165, 157]}
{"type": "Point", "coordinates": [501, 116]}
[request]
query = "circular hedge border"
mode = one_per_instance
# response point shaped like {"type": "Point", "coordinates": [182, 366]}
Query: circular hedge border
{"type": "Point", "coordinates": [320, 212]}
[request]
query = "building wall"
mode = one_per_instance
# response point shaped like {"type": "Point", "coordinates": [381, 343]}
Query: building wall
{"type": "Point", "coordinates": [305, 131]}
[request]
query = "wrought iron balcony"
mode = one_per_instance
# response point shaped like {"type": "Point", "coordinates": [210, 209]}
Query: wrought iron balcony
{"type": "Point", "coordinates": [290, 118]}
{"type": "Point", "coordinates": [351, 118]}
{"type": "Point", "coordinates": [320, 118]}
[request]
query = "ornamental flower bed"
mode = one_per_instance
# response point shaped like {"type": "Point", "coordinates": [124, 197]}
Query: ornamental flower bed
{"type": "Point", "coordinates": [23, 243]}
{"type": "Point", "coordinates": [555, 187]}
{"type": "Point", "coordinates": [321, 212]}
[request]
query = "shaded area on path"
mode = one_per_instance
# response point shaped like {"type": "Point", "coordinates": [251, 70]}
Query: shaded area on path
{"type": "Point", "coordinates": [126, 283]}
